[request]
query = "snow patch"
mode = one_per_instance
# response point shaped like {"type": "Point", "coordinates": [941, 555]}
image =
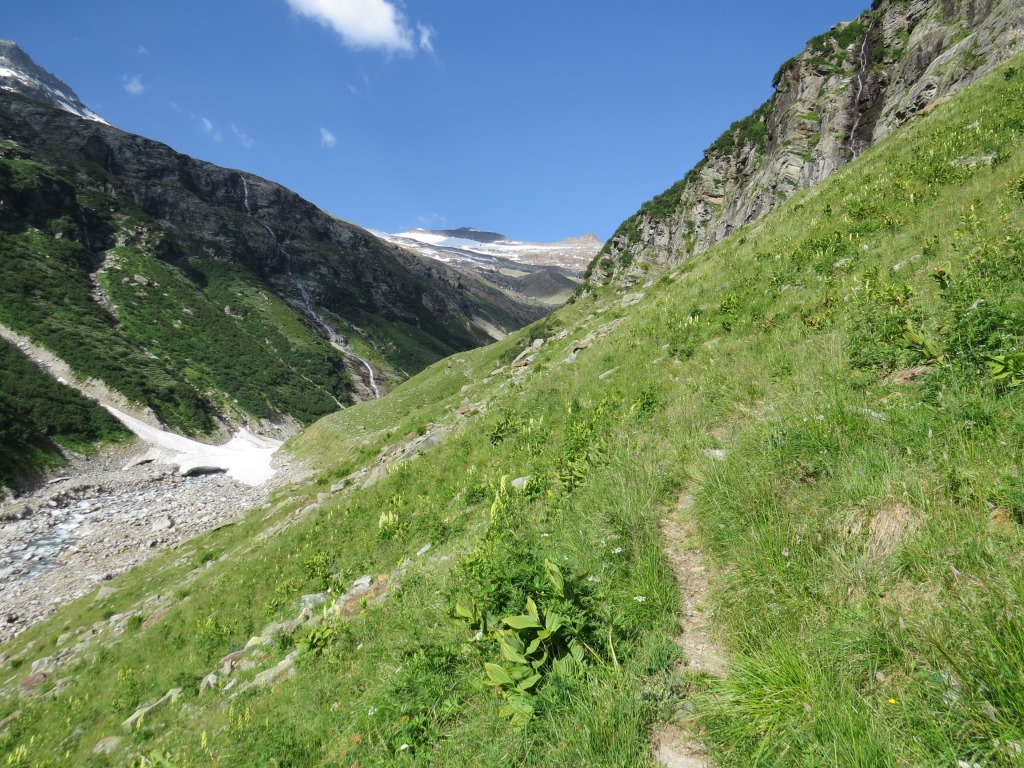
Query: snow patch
{"type": "Point", "coordinates": [246, 457]}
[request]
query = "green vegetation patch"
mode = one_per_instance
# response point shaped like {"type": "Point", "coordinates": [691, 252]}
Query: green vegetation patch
{"type": "Point", "coordinates": [36, 411]}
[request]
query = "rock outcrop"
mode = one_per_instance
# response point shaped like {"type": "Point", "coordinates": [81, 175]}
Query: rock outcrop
{"type": "Point", "coordinates": [849, 88]}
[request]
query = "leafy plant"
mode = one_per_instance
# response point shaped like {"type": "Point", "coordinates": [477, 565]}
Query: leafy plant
{"type": "Point", "coordinates": [532, 645]}
{"type": "Point", "coordinates": [321, 638]}
{"type": "Point", "coordinates": [924, 345]}
{"type": "Point", "coordinates": [509, 424]}
{"type": "Point", "coordinates": [473, 616]}
{"type": "Point", "coordinates": [584, 446]}
{"type": "Point", "coordinates": [1007, 370]}
{"type": "Point", "coordinates": [387, 525]}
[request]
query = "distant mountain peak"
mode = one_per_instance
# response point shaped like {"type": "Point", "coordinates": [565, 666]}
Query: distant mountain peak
{"type": "Point", "coordinates": [20, 74]}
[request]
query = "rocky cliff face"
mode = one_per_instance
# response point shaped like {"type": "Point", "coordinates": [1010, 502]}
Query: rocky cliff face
{"type": "Point", "coordinates": [851, 87]}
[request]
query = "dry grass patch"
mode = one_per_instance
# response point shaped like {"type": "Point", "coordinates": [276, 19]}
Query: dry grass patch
{"type": "Point", "coordinates": [889, 528]}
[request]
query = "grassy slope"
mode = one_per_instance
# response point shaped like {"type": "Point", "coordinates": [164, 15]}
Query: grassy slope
{"type": "Point", "coordinates": [865, 535]}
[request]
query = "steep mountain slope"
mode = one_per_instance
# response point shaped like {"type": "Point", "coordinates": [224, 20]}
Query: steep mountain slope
{"type": "Point", "coordinates": [830, 402]}
{"type": "Point", "coordinates": [19, 74]}
{"type": "Point", "coordinates": [850, 87]}
{"type": "Point", "coordinates": [210, 295]}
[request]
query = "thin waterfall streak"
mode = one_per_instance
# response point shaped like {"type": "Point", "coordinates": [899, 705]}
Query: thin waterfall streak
{"type": "Point", "coordinates": [333, 338]}
{"type": "Point", "coordinates": [85, 229]}
{"type": "Point", "coordinates": [860, 92]}
{"type": "Point", "coordinates": [245, 199]}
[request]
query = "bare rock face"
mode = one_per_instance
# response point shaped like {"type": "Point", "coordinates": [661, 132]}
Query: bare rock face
{"type": "Point", "coordinates": [851, 87]}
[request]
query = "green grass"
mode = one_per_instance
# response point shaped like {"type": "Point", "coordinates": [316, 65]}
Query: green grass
{"type": "Point", "coordinates": [863, 534]}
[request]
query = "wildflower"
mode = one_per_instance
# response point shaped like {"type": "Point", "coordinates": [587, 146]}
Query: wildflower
{"type": "Point", "coordinates": [478, 636]}
{"type": "Point", "coordinates": [892, 701]}
{"type": "Point", "coordinates": [640, 598]}
{"type": "Point", "coordinates": [371, 711]}
{"type": "Point", "coordinates": [403, 747]}
{"type": "Point", "coordinates": [617, 550]}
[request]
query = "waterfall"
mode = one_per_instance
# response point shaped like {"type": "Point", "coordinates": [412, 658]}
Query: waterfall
{"type": "Point", "coordinates": [860, 91]}
{"type": "Point", "coordinates": [369, 371]}
{"type": "Point", "coordinates": [333, 338]}
{"type": "Point", "coordinates": [245, 199]}
{"type": "Point", "coordinates": [85, 229]}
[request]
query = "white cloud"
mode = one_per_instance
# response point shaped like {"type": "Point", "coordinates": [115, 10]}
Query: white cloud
{"type": "Point", "coordinates": [142, 50]}
{"type": "Point", "coordinates": [243, 139]}
{"type": "Point", "coordinates": [210, 129]}
{"type": "Point", "coordinates": [426, 33]}
{"type": "Point", "coordinates": [327, 139]}
{"type": "Point", "coordinates": [365, 23]}
{"type": "Point", "coordinates": [133, 85]}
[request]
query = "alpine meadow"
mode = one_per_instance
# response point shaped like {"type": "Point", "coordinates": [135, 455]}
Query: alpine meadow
{"type": "Point", "coordinates": [752, 497]}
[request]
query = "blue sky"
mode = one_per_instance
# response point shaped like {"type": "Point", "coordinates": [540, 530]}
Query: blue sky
{"type": "Point", "coordinates": [536, 119]}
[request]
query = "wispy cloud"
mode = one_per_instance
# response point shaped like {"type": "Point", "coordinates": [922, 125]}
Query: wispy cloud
{"type": "Point", "coordinates": [426, 34]}
{"type": "Point", "coordinates": [367, 23]}
{"type": "Point", "coordinates": [327, 139]}
{"type": "Point", "coordinates": [133, 85]}
{"type": "Point", "coordinates": [364, 89]}
{"type": "Point", "coordinates": [210, 129]}
{"type": "Point", "coordinates": [242, 137]}
{"type": "Point", "coordinates": [432, 220]}
{"type": "Point", "coordinates": [142, 50]}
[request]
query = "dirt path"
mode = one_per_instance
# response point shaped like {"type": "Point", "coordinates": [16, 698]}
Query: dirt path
{"type": "Point", "coordinates": [678, 744]}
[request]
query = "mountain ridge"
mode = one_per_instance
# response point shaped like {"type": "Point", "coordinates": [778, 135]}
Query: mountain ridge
{"type": "Point", "coordinates": [20, 74]}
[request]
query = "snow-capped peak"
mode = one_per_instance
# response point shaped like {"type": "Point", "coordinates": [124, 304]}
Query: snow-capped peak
{"type": "Point", "coordinates": [467, 245]}
{"type": "Point", "coordinates": [18, 73]}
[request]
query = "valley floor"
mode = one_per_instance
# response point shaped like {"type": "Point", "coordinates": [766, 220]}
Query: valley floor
{"type": "Point", "coordinates": [97, 518]}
